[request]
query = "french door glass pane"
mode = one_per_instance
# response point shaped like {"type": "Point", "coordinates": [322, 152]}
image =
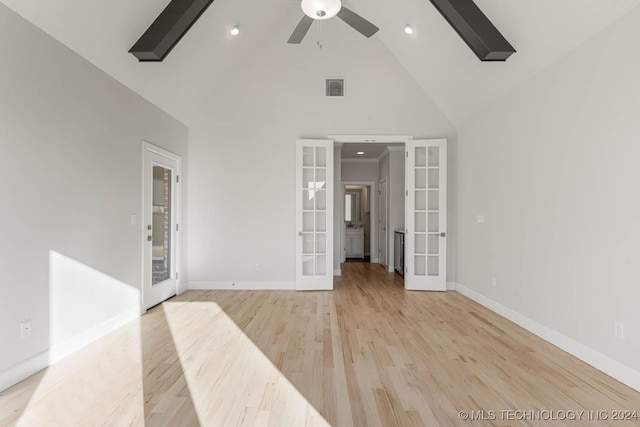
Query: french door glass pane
{"type": "Point", "coordinates": [434, 200]}
{"type": "Point", "coordinates": [307, 178]}
{"type": "Point", "coordinates": [321, 178]}
{"type": "Point", "coordinates": [321, 243]}
{"type": "Point", "coordinates": [434, 156]}
{"type": "Point", "coordinates": [161, 225]}
{"type": "Point", "coordinates": [321, 200]}
{"type": "Point", "coordinates": [307, 265]}
{"type": "Point", "coordinates": [420, 265]}
{"type": "Point", "coordinates": [434, 244]}
{"type": "Point", "coordinates": [421, 156]}
{"type": "Point", "coordinates": [421, 178]}
{"type": "Point", "coordinates": [421, 222]}
{"type": "Point", "coordinates": [433, 266]}
{"type": "Point", "coordinates": [307, 156]}
{"type": "Point", "coordinates": [307, 243]}
{"type": "Point", "coordinates": [308, 199]}
{"type": "Point", "coordinates": [321, 156]}
{"type": "Point", "coordinates": [420, 244]}
{"type": "Point", "coordinates": [421, 200]}
{"type": "Point", "coordinates": [321, 221]}
{"type": "Point", "coordinates": [307, 222]}
{"type": "Point", "coordinates": [434, 178]}
{"type": "Point", "coordinates": [433, 223]}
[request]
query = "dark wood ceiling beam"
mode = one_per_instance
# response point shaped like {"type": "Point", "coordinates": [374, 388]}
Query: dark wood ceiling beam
{"type": "Point", "coordinates": [168, 28]}
{"type": "Point", "coordinates": [475, 29]}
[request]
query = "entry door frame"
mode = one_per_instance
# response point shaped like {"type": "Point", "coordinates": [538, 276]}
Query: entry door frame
{"type": "Point", "coordinates": [150, 150]}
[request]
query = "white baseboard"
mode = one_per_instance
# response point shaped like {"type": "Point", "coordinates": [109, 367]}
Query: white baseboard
{"type": "Point", "coordinates": [243, 286]}
{"type": "Point", "coordinates": [25, 369]}
{"type": "Point", "coordinates": [337, 272]}
{"type": "Point", "coordinates": [609, 366]}
{"type": "Point", "coordinates": [65, 348]}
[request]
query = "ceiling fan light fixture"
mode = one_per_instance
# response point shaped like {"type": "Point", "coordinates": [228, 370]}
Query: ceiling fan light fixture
{"type": "Point", "coordinates": [321, 9]}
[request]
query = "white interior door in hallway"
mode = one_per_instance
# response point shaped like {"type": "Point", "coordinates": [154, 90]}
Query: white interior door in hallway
{"type": "Point", "coordinates": [426, 215]}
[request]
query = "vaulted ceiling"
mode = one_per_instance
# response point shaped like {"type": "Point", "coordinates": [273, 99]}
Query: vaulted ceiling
{"type": "Point", "coordinates": [542, 32]}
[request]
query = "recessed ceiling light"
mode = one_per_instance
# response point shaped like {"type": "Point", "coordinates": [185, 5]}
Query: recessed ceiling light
{"type": "Point", "coordinates": [360, 153]}
{"type": "Point", "coordinates": [235, 30]}
{"type": "Point", "coordinates": [408, 29]}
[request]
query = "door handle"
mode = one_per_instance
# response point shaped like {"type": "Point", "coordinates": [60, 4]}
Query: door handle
{"type": "Point", "coordinates": [443, 234]}
{"type": "Point", "coordinates": [299, 233]}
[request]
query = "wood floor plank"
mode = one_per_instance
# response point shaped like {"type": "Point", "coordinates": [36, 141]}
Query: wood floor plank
{"type": "Point", "coordinates": [368, 353]}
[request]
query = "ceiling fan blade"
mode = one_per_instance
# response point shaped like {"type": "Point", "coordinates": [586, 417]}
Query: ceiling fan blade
{"type": "Point", "coordinates": [301, 30]}
{"type": "Point", "coordinates": [358, 23]}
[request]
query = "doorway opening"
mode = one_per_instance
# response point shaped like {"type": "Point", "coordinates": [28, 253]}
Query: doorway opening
{"type": "Point", "coordinates": [373, 184]}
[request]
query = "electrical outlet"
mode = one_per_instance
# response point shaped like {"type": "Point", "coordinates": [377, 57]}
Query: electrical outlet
{"type": "Point", "coordinates": [258, 267]}
{"type": "Point", "coordinates": [494, 282]}
{"type": "Point", "coordinates": [480, 219]}
{"type": "Point", "coordinates": [25, 329]}
{"type": "Point", "coordinates": [618, 330]}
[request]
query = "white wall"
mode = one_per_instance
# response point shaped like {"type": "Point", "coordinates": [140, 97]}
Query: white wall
{"type": "Point", "coordinates": [553, 166]}
{"type": "Point", "coordinates": [360, 171]}
{"type": "Point", "coordinates": [70, 167]}
{"type": "Point", "coordinates": [242, 149]}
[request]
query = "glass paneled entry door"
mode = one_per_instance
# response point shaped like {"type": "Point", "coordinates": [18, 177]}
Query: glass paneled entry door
{"type": "Point", "coordinates": [314, 214]}
{"type": "Point", "coordinates": [161, 211]}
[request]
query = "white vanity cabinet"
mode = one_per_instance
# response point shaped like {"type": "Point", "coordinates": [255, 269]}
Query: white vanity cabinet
{"type": "Point", "coordinates": [354, 246]}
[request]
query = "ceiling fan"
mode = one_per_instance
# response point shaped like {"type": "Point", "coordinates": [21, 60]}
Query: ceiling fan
{"type": "Point", "coordinates": [325, 9]}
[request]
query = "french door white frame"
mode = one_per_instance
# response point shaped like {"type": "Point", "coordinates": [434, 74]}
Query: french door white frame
{"type": "Point", "coordinates": [426, 216]}
{"type": "Point", "coordinates": [386, 139]}
{"type": "Point", "coordinates": [152, 154]}
{"type": "Point", "coordinates": [312, 272]}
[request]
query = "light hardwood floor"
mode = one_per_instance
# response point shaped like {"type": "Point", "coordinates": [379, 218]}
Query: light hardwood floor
{"type": "Point", "coordinates": [367, 354]}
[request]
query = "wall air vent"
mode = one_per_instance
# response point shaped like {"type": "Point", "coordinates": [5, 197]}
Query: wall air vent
{"type": "Point", "coordinates": [334, 87]}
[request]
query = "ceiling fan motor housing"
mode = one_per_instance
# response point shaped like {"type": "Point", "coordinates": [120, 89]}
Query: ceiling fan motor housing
{"type": "Point", "coordinates": [321, 9]}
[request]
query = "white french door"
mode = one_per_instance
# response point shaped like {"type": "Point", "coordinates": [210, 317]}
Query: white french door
{"type": "Point", "coordinates": [161, 210]}
{"type": "Point", "coordinates": [426, 215]}
{"type": "Point", "coordinates": [314, 214]}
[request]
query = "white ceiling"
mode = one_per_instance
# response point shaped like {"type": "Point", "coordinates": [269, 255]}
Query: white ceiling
{"type": "Point", "coordinates": [371, 150]}
{"type": "Point", "coordinates": [542, 31]}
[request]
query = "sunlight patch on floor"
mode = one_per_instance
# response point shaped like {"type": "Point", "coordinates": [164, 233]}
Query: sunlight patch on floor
{"type": "Point", "coordinates": [231, 381]}
{"type": "Point", "coordinates": [99, 385]}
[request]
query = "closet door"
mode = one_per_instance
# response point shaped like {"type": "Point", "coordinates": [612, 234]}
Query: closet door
{"type": "Point", "coordinates": [426, 215]}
